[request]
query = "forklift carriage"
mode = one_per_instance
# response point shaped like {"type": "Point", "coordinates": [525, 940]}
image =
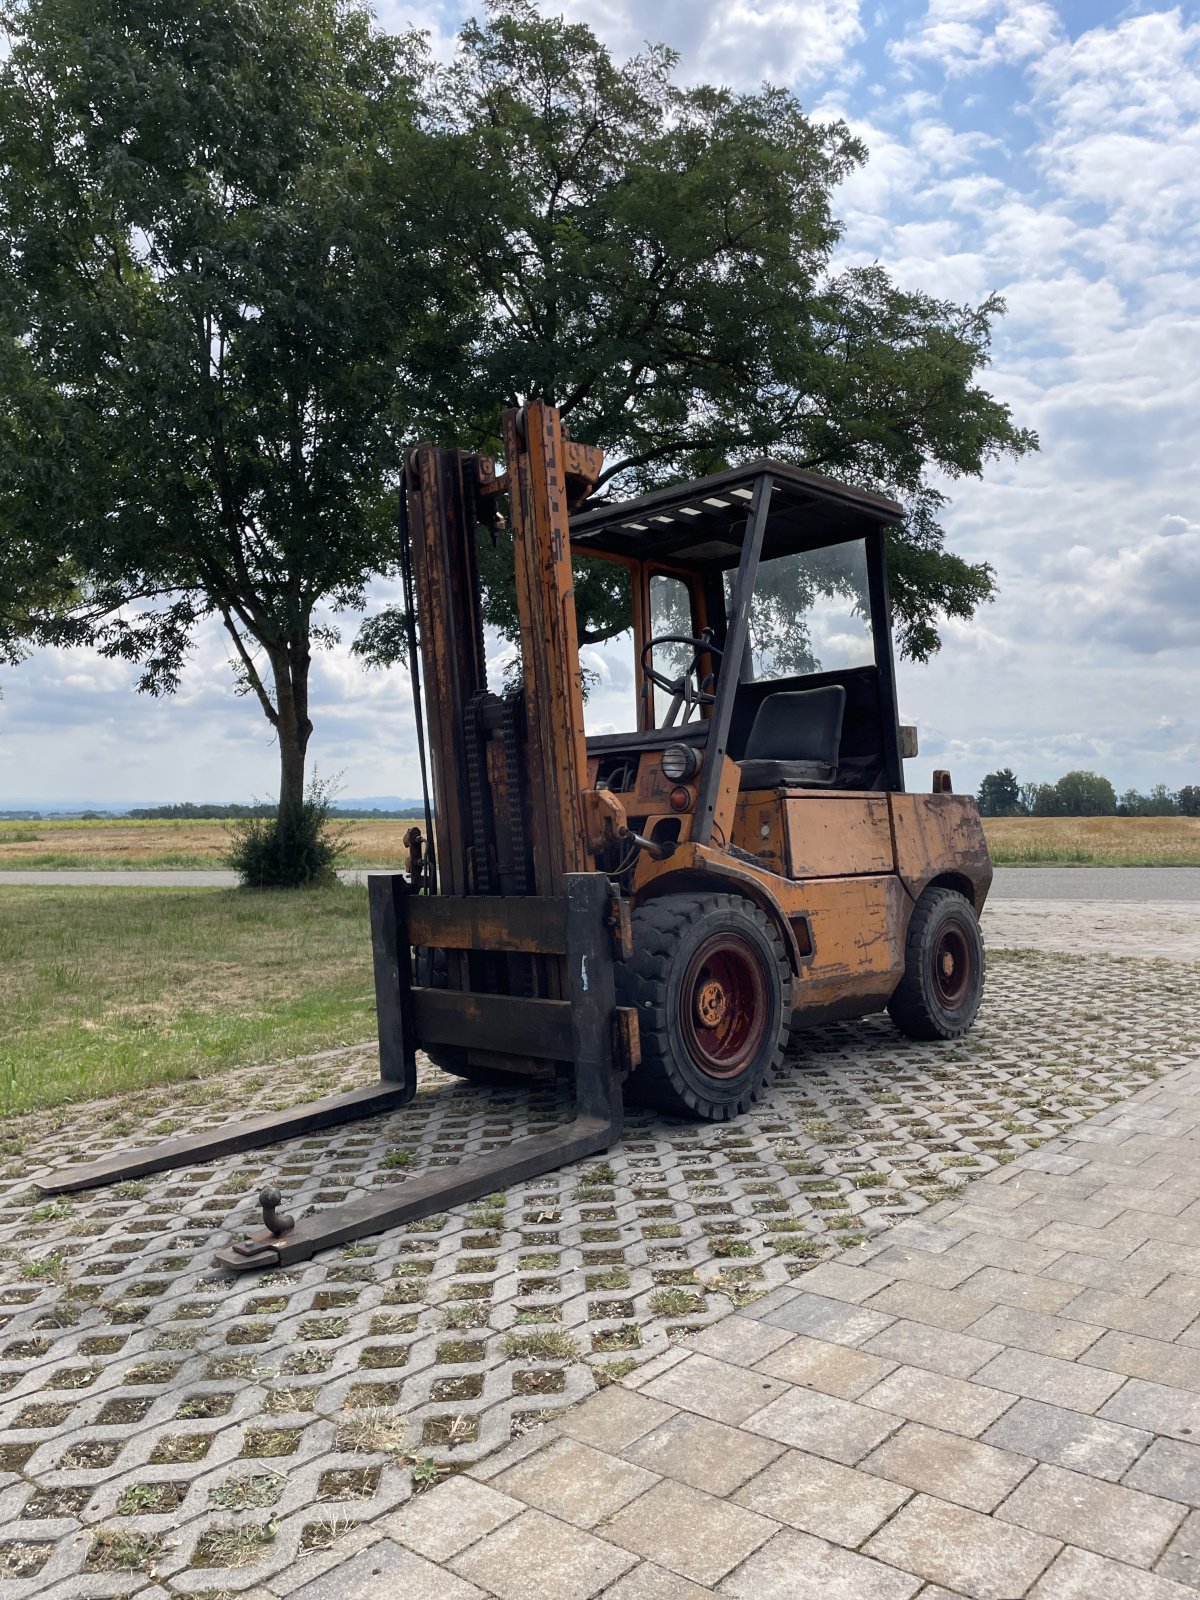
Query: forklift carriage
{"type": "Point", "coordinates": [651, 909]}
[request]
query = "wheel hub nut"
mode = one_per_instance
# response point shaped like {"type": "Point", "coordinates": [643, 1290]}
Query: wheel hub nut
{"type": "Point", "coordinates": [947, 964]}
{"type": "Point", "coordinates": [711, 1003]}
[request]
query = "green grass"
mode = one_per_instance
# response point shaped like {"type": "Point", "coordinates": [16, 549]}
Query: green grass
{"type": "Point", "coordinates": [108, 990]}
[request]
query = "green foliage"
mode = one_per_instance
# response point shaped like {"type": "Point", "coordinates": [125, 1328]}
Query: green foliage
{"type": "Point", "coordinates": [1188, 800]}
{"type": "Point", "coordinates": [1160, 802]}
{"type": "Point", "coordinates": [657, 261]}
{"type": "Point", "coordinates": [298, 848]}
{"type": "Point", "coordinates": [1086, 794]}
{"type": "Point", "coordinates": [1000, 794]}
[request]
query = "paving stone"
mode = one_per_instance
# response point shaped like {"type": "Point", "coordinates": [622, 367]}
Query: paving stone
{"type": "Point", "coordinates": [1155, 1407]}
{"type": "Point", "coordinates": [705, 1454]}
{"type": "Point", "coordinates": [536, 1557]}
{"type": "Point", "coordinates": [715, 1389]}
{"type": "Point", "coordinates": [1069, 1439]}
{"type": "Point", "coordinates": [1153, 1359]}
{"type": "Point", "coordinates": [931, 1397]}
{"type": "Point", "coordinates": [690, 1533]}
{"type": "Point", "coordinates": [573, 1481]}
{"type": "Point", "coordinates": [1036, 1330]}
{"type": "Point", "coordinates": [388, 1569]}
{"type": "Point", "coordinates": [1118, 1277]}
{"type": "Point", "coordinates": [1083, 1575]}
{"type": "Point", "coordinates": [795, 1566]}
{"type": "Point", "coordinates": [615, 1417]}
{"type": "Point", "coordinates": [1025, 1290]}
{"type": "Point", "coordinates": [648, 1582]}
{"type": "Point", "coordinates": [451, 1516]}
{"type": "Point", "coordinates": [1155, 1317]}
{"type": "Point", "coordinates": [1113, 1521]}
{"type": "Point", "coordinates": [949, 1466]}
{"type": "Point", "coordinates": [1181, 1563]}
{"type": "Point", "coordinates": [915, 1344]}
{"type": "Point", "coordinates": [838, 1282]}
{"type": "Point", "coordinates": [822, 1318]}
{"type": "Point", "coordinates": [821, 1497]}
{"type": "Point", "coordinates": [921, 1266]}
{"type": "Point", "coordinates": [1036, 1377]}
{"type": "Point", "coordinates": [952, 1309]}
{"type": "Point", "coordinates": [963, 1550]}
{"type": "Point", "coordinates": [744, 1341]}
{"type": "Point", "coordinates": [823, 1424]}
{"type": "Point", "coordinates": [1169, 1468]}
{"type": "Point", "coordinates": [833, 1368]}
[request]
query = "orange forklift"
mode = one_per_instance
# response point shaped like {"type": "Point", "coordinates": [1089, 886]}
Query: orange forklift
{"type": "Point", "coordinates": [653, 908]}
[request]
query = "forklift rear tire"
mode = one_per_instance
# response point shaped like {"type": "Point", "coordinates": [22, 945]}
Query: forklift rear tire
{"type": "Point", "coordinates": [939, 994]}
{"type": "Point", "coordinates": [711, 983]}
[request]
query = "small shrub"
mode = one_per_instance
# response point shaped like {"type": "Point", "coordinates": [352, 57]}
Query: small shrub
{"type": "Point", "coordinates": [293, 850]}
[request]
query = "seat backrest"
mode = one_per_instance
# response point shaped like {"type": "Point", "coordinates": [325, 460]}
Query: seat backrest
{"type": "Point", "coordinates": [798, 725]}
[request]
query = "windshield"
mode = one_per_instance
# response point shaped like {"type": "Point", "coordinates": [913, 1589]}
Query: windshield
{"type": "Point", "coordinates": [811, 612]}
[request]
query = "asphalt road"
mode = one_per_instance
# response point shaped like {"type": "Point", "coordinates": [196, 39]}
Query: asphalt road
{"type": "Point", "coordinates": [1141, 885]}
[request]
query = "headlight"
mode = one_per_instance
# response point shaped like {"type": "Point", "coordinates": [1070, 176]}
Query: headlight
{"type": "Point", "coordinates": [679, 761]}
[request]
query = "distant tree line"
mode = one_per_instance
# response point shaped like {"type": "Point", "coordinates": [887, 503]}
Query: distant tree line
{"type": "Point", "coordinates": [1081, 794]}
{"type": "Point", "coordinates": [187, 811]}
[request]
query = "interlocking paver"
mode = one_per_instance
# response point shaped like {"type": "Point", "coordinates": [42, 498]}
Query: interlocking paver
{"type": "Point", "coordinates": [451, 1516]}
{"type": "Point", "coordinates": [833, 1368]}
{"type": "Point", "coordinates": [796, 1566]}
{"type": "Point", "coordinates": [388, 1569]}
{"type": "Point", "coordinates": [1036, 1377]}
{"type": "Point", "coordinates": [691, 1533]}
{"type": "Point", "coordinates": [949, 1466]}
{"type": "Point", "coordinates": [715, 1389]}
{"type": "Point", "coordinates": [573, 1481]}
{"type": "Point", "coordinates": [705, 1454]}
{"type": "Point", "coordinates": [915, 1344]}
{"type": "Point", "coordinates": [822, 1497]}
{"type": "Point", "coordinates": [536, 1557]}
{"type": "Point", "coordinates": [615, 1417]}
{"type": "Point", "coordinates": [1082, 1575]}
{"type": "Point", "coordinates": [648, 1582]}
{"type": "Point", "coordinates": [1181, 1561]}
{"type": "Point", "coordinates": [1113, 1521]}
{"type": "Point", "coordinates": [963, 1550]}
{"type": "Point", "coordinates": [823, 1424]}
{"type": "Point", "coordinates": [1169, 1468]}
{"type": "Point", "coordinates": [741, 1339]}
{"type": "Point", "coordinates": [931, 1397]}
{"type": "Point", "coordinates": [1156, 1407]}
{"type": "Point", "coordinates": [1036, 1330]}
{"type": "Point", "coordinates": [822, 1318]}
{"type": "Point", "coordinates": [1068, 1439]}
{"type": "Point", "coordinates": [953, 1309]}
{"type": "Point", "coordinates": [1154, 1359]}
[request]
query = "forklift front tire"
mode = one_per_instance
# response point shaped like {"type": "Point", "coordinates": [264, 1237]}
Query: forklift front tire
{"type": "Point", "coordinates": [939, 994]}
{"type": "Point", "coordinates": [711, 984]}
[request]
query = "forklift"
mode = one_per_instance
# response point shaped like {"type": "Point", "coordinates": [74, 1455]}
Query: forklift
{"type": "Point", "coordinates": [653, 909]}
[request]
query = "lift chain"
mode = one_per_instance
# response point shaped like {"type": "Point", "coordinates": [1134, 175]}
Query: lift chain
{"type": "Point", "coordinates": [512, 727]}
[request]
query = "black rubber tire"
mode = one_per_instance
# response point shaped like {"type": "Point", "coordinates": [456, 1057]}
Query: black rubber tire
{"type": "Point", "coordinates": [667, 935]}
{"type": "Point", "coordinates": [429, 972]}
{"type": "Point", "coordinates": [924, 1007]}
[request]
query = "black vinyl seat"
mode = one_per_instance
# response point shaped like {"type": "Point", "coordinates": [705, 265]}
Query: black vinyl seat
{"type": "Point", "coordinates": [795, 739]}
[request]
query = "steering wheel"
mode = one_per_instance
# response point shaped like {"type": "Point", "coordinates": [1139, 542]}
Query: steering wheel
{"type": "Point", "coordinates": [686, 696]}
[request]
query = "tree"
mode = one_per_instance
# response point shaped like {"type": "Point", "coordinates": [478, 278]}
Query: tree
{"type": "Point", "coordinates": [1189, 800]}
{"type": "Point", "coordinates": [657, 261]}
{"type": "Point", "coordinates": [1085, 794]}
{"type": "Point", "coordinates": [1000, 794]}
{"type": "Point", "coordinates": [1160, 802]}
{"type": "Point", "coordinates": [213, 269]}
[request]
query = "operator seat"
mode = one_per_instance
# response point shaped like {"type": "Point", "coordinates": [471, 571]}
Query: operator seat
{"type": "Point", "coordinates": [795, 739]}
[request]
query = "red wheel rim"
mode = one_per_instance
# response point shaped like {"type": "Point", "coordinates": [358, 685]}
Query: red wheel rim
{"type": "Point", "coordinates": [952, 962]}
{"type": "Point", "coordinates": [723, 1000]}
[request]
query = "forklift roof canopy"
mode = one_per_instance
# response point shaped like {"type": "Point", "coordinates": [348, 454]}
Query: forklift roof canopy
{"type": "Point", "coordinates": [705, 520]}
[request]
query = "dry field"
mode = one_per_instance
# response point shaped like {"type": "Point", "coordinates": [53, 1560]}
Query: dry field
{"type": "Point", "coordinates": [1014, 841]}
{"type": "Point", "coordinates": [110, 845]}
{"type": "Point", "coordinates": [1094, 841]}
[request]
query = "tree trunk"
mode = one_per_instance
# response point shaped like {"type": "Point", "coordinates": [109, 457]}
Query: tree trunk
{"type": "Point", "coordinates": [290, 666]}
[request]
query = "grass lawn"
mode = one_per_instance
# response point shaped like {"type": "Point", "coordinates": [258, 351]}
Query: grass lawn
{"type": "Point", "coordinates": [107, 990]}
{"type": "Point", "coordinates": [1094, 841]}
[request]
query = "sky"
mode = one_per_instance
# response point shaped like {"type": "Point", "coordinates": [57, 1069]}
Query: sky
{"type": "Point", "coordinates": [1048, 152]}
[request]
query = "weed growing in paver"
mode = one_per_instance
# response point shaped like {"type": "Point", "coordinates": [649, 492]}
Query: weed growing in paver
{"type": "Point", "coordinates": [46, 1269]}
{"type": "Point", "coordinates": [543, 1346]}
{"type": "Point", "coordinates": [675, 1302]}
{"type": "Point", "coordinates": [119, 1550]}
{"type": "Point", "coordinates": [233, 1547]}
{"type": "Point", "coordinates": [256, 1492]}
{"type": "Point", "coordinates": [52, 1211]}
{"type": "Point", "coordinates": [607, 1372]}
{"type": "Point", "coordinates": [397, 1159]}
{"type": "Point", "coordinates": [626, 1337]}
{"type": "Point", "coordinates": [373, 1428]}
{"type": "Point", "coordinates": [140, 1498]}
{"type": "Point", "coordinates": [23, 1559]}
